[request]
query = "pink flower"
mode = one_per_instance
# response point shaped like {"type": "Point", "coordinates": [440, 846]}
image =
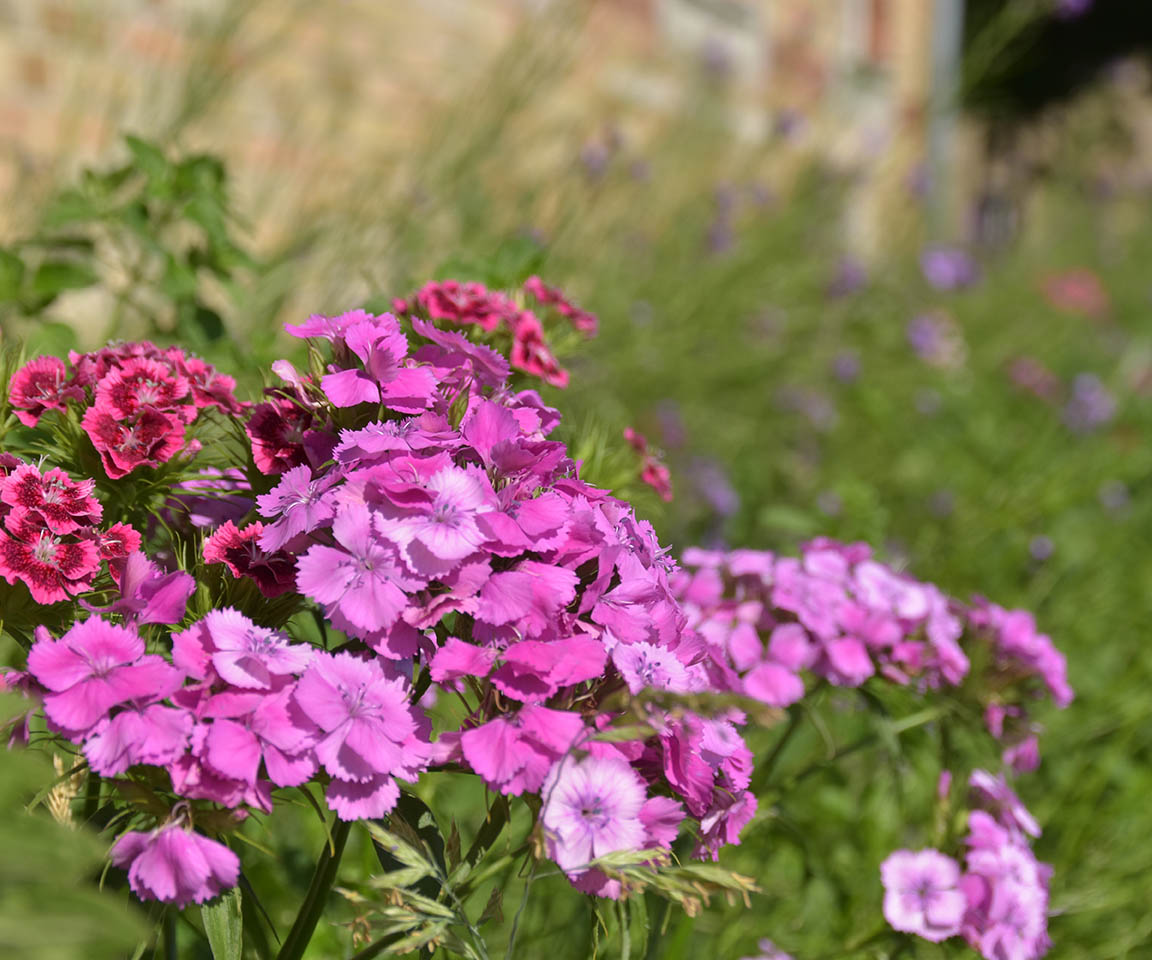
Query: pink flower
{"type": "Point", "coordinates": [94, 667]}
{"type": "Point", "coordinates": [278, 430]}
{"type": "Point", "coordinates": [146, 594]}
{"type": "Point", "coordinates": [514, 753]}
{"type": "Point", "coordinates": [141, 383]}
{"type": "Point", "coordinates": [531, 353]}
{"type": "Point", "coordinates": [250, 656]}
{"type": "Point", "coordinates": [147, 438]}
{"type": "Point", "coordinates": [922, 894]}
{"type": "Point", "coordinates": [209, 387]}
{"type": "Point", "coordinates": [175, 865]}
{"type": "Point", "coordinates": [366, 723]}
{"type": "Point", "coordinates": [464, 303]}
{"type": "Point", "coordinates": [581, 320]}
{"type": "Point", "coordinates": [52, 567]}
{"type": "Point", "coordinates": [240, 550]}
{"type": "Point", "coordinates": [592, 808]}
{"type": "Point", "coordinates": [363, 580]}
{"type": "Point", "coordinates": [62, 504]}
{"type": "Point", "coordinates": [39, 386]}
{"type": "Point", "coordinates": [156, 735]}
{"type": "Point", "coordinates": [436, 537]}
{"type": "Point", "coordinates": [298, 503]}
{"type": "Point", "coordinates": [382, 349]}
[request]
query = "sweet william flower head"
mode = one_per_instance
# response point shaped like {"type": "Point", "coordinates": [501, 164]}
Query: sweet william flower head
{"type": "Point", "coordinates": [592, 808]}
{"type": "Point", "coordinates": [922, 894]}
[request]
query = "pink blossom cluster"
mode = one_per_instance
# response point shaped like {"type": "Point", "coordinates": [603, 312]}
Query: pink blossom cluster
{"type": "Point", "coordinates": [473, 304]}
{"type": "Point", "coordinates": [136, 398]}
{"type": "Point", "coordinates": [238, 711]}
{"type": "Point", "coordinates": [50, 537]}
{"type": "Point", "coordinates": [998, 902]}
{"type": "Point", "coordinates": [838, 613]}
{"type": "Point", "coordinates": [453, 532]}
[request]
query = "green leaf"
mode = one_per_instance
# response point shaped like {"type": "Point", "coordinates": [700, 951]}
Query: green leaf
{"type": "Point", "coordinates": [178, 280]}
{"type": "Point", "coordinates": [53, 277]}
{"type": "Point", "coordinates": [224, 925]}
{"type": "Point", "coordinates": [11, 275]}
{"type": "Point", "coordinates": [69, 206]}
{"type": "Point", "coordinates": [54, 339]}
{"type": "Point", "coordinates": [148, 157]}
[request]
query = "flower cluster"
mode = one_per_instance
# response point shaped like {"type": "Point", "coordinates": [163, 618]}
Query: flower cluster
{"type": "Point", "coordinates": [472, 304]}
{"type": "Point", "coordinates": [840, 614]}
{"type": "Point", "coordinates": [137, 399]}
{"type": "Point", "coordinates": [238, 711]}
{"type": "Point", "coordinates": [49, 534]}
{"type": "Point", "coordinates": [999, 903]}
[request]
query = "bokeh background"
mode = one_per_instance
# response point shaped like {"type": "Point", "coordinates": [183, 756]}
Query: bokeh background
{"type": "Point", "coordinates": [872, 269]}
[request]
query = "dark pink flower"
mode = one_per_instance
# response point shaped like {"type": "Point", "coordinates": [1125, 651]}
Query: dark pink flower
{"type": "Point", "coordinates": [531, 353]}
{"type": "Point", "coordinates": [141, 383]}
{"type": "Point", "coordinates": [52, 567]}
{"type": "Point", "coordinates": [277, 430]}
{"type": "Point", "coordinates": [62, 504]}
{"type": "Point", "coordinates": [239, 549]}
{"type": "Point", "coordinates": [147, 438]}
{"type": "Point", "coordinates": [464, 303]}
{"type": "Point", "coordinates": [581, 320]}
{"type": "Point", "coordinates": [39, 386]}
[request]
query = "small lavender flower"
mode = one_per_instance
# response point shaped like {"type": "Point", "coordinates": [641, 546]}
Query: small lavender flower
{"type": "Point", "coordinates": [948, 268]}
{"type": "Point", "coordinates": [846, 366]}
{"type": "Point", "coordinates": [850, 277]}
{"type": "Point", "coordinates": [1091, 405]}
{"type": "Point", "coordinates": [712, 484]}
{"type": "Point", "coordinates": [1041, 548]}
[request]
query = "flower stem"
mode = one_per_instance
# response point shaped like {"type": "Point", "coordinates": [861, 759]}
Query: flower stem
{"type": "Point", "coordinates": [313, 906]}
{"type": "Point", "coordinates": [763, 773]}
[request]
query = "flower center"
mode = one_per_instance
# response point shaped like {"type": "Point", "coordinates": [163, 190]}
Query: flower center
{"type": "Point", "coordinates": [45, 548]}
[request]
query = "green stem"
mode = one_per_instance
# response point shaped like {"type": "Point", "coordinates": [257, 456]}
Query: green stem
{"type": "Point", "coordinates": [314, 901]}
{"type": "Point", "coordinates": [763, 773]}
{"type": "Point", "coordinates": [171, 949]}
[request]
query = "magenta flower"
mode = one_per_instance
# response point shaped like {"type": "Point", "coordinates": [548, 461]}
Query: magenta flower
{"type": "Point", "coordinates": [385, 378]}
{"type": "Point", "coordinates": [364, 717]}
{"type": "Point", "coordinates": [279, 431]}
{"type": "Point", "coordinates": [94, 667]}
{"type": "Point", "coordinates": [40, 386]}
{"type": "Point", "coordinates": [156, 735]}
{"type": "Point", "coordinates": [175, 865]}
{"type": "Point", "coordinates": [249, 656]}
{"type": "Point", "coordinates": [52, 567]}
{"type": "Point", "coordinates": [592, 808]}
{"type": "Point", "coordinates": [239, 549]}
{"type": "Point", "coordinates": [146, 594]}
{"type": "Point", "coordinates": [363, 580]}
{"type": "Point", "coordinates": [298, 504]}
{"type": "Point", "coordinates": [62, 504]}
{"type": "Point", "coordinates": [435, 538]}
{"type": "Point", "coordinates": [148, 438]}
{"type": "Point", "coordinates": [514, 753]}
{"type": "Point", "coordinates": [922, 894]}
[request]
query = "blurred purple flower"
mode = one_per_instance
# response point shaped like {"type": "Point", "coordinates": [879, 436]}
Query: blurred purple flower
{"type": "Point", "coordinates": [788, 124]}
{"type": "Point", "coordinates": [942, 503]}
{"type": "Point", "coordinates": [1090, 406]}
{"type": "Point", "coordinates": [672, 432]}
{"type": "Point", "coordinates": [850, 277]}
{"type": "Point", "coordinates": [1114, 496]}
{"type": "Point", "coordinates": [948, 268]}
{"type": "Point", "coordinates": [594, 157]}
{"type": "Point", "coordinates": [1071, 9]}
{"type": "Point", "coordinates": [1041, 548]}
{"type": "Point", "coordinates": [711, 482]}
{"type": "Point", "coordinates": [846, 366]}
{"type": "Point", "coordinates": [936, 340]}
